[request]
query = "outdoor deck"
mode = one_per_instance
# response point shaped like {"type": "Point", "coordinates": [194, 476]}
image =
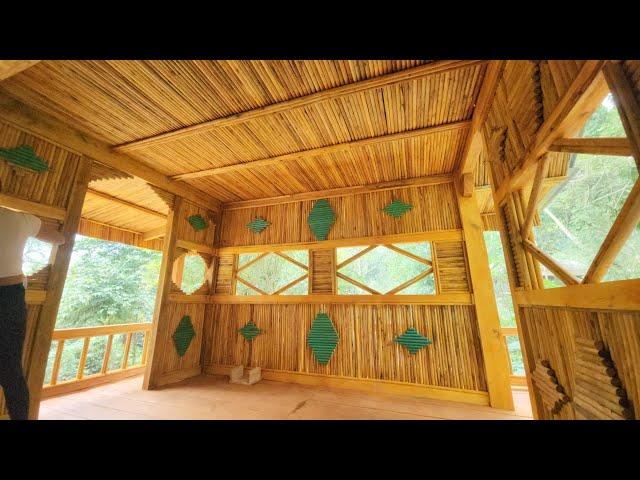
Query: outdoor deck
{"type": "Point", "coordinates": [213, 398]}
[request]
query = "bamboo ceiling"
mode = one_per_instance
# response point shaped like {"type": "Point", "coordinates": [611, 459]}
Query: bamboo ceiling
{"type": "Point", "coordinates": [125, 101]}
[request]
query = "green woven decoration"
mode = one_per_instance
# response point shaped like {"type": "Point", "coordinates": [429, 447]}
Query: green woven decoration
{"type": "Point", "coordinates": [250, 331]}
{"type": "Point", "coordinates": [322, 338]}
{"type": "Point", "coordinates": [258, 225]}
{"type": "Point", "coordinates": [321, 219]}
{"type": "Point", "coordinates": [397, 208]}
{"type": "Point", "coordinates": [25, 157]}
{"type": "Point", "coordinates": [197, 222]}
{"type": "Point", "coordinates": [412, 340]}
{"type": "Point", "coordinates": [183, 335]}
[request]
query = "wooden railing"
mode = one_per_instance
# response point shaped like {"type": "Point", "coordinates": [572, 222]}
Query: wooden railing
{"type": "Point", "coordinates": [516, 380]}
{"type": "Point", "coordinates": [105, 375]}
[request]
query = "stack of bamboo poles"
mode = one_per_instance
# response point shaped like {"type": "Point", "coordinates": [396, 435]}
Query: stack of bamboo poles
{"type": "Point", "coordinates": [552, 393]}
{"type": "Point", "coordinates": [599, 393]}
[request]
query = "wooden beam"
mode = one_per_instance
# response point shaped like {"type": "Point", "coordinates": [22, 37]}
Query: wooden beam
{"type": "Point", "coordinates": [620, 231]}
{"type": "Point", "coordinates": [432, 236]}
{"type": "Point", "coordinates": [153, 234]}
{"type": "Point", "coordinates": [111, 198]}
{"type": "Point", "coordinates": [45, 126]}
{"type": "Point", "coordinates": [195, 247]}
{"type": "Point", "coordinates": [473, 145]}
{"type": "Point", "coordinates": [494, 350]}
{"type": "Point", "coordinates": [593, 146]}
{"type": "Point", "coordinates": [618, 295]}
{"type": "Point", "coordinates": [569, 115]}
{"type": "Point", "coordinates": [159, 327]}
{"type": "Point", "coordinates": [33, 208]}
{"type": "Point", "coordinates": [57, 276]}
{"type": "Point", "coordinates": [627, 103]}
{"type": "Point", "coordinates": [342, 192]}
{"type": "Point", "coordinates": [332, 93]}
{"type": "Point", "coordinates": [534, 196]}
{"type": "Point", "coordinates": [9, 68]}
{"type": "Point", "coordinates": [314, 152]}
{"type": "Point", "coordinates": [550, 263]}
{"type": "Point", "coordinates": [466, 184]}
{"type": "Point", "coordinates": [399, 299]}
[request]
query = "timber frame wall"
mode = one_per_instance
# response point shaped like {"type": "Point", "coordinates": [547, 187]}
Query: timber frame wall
{"type": "Point", "coordinates": [467, 361]}
{"type": "Point", "coordinates": [537, 108]}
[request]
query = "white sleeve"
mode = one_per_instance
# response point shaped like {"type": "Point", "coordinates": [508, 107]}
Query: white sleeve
{"type": "Point", "coordinates": [33, 225]}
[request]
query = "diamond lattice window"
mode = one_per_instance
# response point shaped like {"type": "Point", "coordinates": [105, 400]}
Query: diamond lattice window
{"type": "Point", "coordinates": [273, 273]}
{"type": "Point", "coordinates": [403, 269]}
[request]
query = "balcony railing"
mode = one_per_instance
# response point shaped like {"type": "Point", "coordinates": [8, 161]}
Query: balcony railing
{"type": "Point", "coordinates": [130, 334]}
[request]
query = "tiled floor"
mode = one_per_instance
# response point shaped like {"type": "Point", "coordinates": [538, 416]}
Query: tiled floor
{"type": "Point", "coordinates": [211, 398]}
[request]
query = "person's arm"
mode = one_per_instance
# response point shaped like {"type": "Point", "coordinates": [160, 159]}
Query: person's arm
{"type": "Point", "coordinates": [49, 234]}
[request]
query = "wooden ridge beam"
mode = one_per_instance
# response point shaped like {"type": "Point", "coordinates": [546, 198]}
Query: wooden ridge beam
{"type": "Point", "coordinates": [615, 240]}
{"type": "Point", "coordinates": [342, 191]}
{"type": "Point", "coordinates": [9, 68]}
{"type": "Point", "coordinates": [46, 126]}
{"type": "Point", "coordinates": [487, 92]}
{"type": "Point", "coordinates": [314, 152]}
{"type": "Point", "coordinates": [550, 263]}
{"type": "Point", "coordinates": [331, 93]}
{"type": "Point", "coordinates": [593, 146]}
{"type": "Point", "coordinates": [570, 114]}
{"type": "Point", "coordinates": [111, 198]}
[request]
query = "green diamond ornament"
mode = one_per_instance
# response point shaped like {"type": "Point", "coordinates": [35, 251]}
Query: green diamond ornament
{"type": "Point", "coordinates": [321, 218]}
{"type": "Point", "coordinates": [412, 340]}
{"type": "Point", "coordinates": [397, 208]}
{"type": "Point", "coordinates": [183, 335]}
{"type": "Point", "coordinates": [322, 338]}
{"type": "Point", "coordinates": [24, 156]}
{"type": "Point", "coordinates": [197, 222]}
{"type": "Point", "coordinates": [250, 331]}
{"type": "Point", "coordinates": [258, 225]}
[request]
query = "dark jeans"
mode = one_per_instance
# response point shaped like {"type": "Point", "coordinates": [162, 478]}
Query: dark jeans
{"type": "Point", "coordinates": [13, 320]}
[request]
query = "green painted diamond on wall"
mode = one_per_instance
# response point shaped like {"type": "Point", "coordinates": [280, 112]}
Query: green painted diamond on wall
{"type": "Point", "coordinates": [397, 208]}
{"type": "Point", "coordinates": [183, 335]}
{"type": "Point", "coordinates": [24, 156]}
{"type": "Point", "coordinates": [322, 338]}
{"type": "Point", "coordinates": [258, 225]}
{"type": "Point", "coordinates": [321, 218]}
{"type": "Point", "coordinates": [412, 340]}
{"type": "Point", "coordinates": [197, 222]}
{"type": "Point", "coordinates": [250, 331]}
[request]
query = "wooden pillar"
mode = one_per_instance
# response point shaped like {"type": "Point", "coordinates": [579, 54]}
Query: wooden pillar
{"type": "Point", "coordinates": [57, 277]}
{"type": "Point", "coordinates": [494, 351]}
{"type": "Point", "coordinates": [158, 329]}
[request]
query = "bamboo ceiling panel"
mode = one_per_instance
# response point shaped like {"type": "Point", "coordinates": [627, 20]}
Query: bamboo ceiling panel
{"type": "Point", "coordinates": [121, 216]}
{"type": "Point", "coordinates": [414, 157]}
{"type": "Point", "coordinates": [121, 101]}
{"type": "Point", "coordinates": [132, 190]}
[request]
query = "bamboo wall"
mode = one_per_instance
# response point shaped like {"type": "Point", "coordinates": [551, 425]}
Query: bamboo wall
{"type": "Point", "coordinates": [68, 175]}
{"type": "Point", "coordinates": [366, 351]}
{"type": "Point", "coordinates": [527, 94]}
{"type": "Point", "coordinates": [166, 365]}
{"type": "Point", "coordinates": [110, 233]}
{"type": "Point", "coordinates": [434, 208]}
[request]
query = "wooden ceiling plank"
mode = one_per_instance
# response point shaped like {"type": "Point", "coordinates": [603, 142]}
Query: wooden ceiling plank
{"type": "Point", "coordinates": [314, 152]}
{"type": "Point", "coordinates": [153, 234]}
{"type": "Point", "coordinates": [9, 68]}
{"type": "Point", "coordinates": [572, 111]}
{"type": "Point", "coordinates": [332, 93]}
{"type": "Point", "coordinates": [48, 127]}
{"type": "Point", "coordinates": [342, 192]}
{"type": "Point", "coordinates": [120, 201]}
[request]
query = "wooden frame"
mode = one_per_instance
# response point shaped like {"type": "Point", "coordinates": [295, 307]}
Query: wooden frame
{"type": "Point", "coordinates": [279, 291]}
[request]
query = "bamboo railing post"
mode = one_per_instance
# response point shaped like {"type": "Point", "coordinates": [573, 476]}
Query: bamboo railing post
{"type": "Point", "coordinates": [83, 358]}
{"type": "Point", "coordinates": [127, 347]}
{"type": "Point", "coordinates": [107, 355]}
{"type": "Point", "coordinates": [56, 363]}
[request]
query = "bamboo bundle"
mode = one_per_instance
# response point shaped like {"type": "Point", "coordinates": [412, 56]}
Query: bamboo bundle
{"type": "Point", "coordinates": [552, 393]}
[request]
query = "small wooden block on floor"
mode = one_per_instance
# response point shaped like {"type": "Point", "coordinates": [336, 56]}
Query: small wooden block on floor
{"type": "Point", "coordinates": [237, 375]}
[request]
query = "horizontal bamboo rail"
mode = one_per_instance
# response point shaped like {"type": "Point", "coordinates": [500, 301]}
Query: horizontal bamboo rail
{"type": "Point", "coordinates": [62, 336]}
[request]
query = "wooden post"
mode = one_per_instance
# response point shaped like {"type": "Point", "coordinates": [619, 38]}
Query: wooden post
{"type": "Point", "coordinates": [164, 287]}
{"type": "Point", "coordinates": [494, 351]}
{"type": "Point", "coordinates": [57, 277]}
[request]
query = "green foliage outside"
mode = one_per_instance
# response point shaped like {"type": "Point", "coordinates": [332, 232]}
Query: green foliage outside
{"type": "Point", "coordinates": [108, 283]}
{"type": "Point", "coordinates": [273, 272]}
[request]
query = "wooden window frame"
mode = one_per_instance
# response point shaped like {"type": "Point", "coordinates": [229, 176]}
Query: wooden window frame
{"type": "Point", "coordinates": [238, 269]}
